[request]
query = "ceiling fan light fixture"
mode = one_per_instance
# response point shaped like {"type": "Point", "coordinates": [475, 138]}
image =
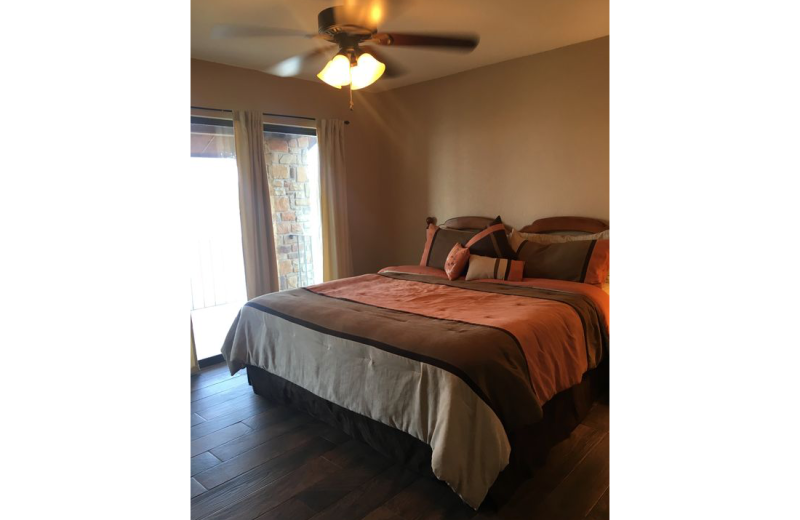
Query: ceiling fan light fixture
{"type": "Point", "coordinates": [366, 71]}
{"type": "Point", "coordinates": [336, 72]}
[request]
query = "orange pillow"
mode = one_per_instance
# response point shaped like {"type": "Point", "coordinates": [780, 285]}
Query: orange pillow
{"type": "Point", "coordinates": [597, 265]}
{"type": "Point", "coordinates": [456, 260]}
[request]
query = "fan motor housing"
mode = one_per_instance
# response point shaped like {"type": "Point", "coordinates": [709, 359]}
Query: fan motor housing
{"type": "Point", "coordinates": [340, 20]}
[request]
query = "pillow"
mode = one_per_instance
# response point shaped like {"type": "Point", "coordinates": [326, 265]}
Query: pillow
{"type": "Point", "coordinates": [492, 242]}
{"type": "Point", "coordinates": [484, 267]}
{"type": "Point", "coordinates": [516, 240]}
{"type": "Point", "coordinates": [456, 261]}
{"type": "Point", "coordinates": [577, 261]}
{"type": "Point", "coordinates": [439, 243]}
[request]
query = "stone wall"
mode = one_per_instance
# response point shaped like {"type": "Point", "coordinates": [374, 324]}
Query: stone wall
{"type": "Point", "coordinates": [288, 171]}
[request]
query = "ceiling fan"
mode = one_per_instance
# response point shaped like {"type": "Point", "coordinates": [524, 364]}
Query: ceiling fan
{"type": "Point", "coordinates": [353, 28]}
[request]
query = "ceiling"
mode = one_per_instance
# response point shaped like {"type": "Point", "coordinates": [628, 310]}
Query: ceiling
{"type": "Point", "coordinates": [508, 29]}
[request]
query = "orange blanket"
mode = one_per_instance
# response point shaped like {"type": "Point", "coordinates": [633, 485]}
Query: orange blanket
{"type": "Point", "coordinates": [550, 333]}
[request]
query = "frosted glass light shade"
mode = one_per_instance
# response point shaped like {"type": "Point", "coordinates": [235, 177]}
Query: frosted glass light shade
{"type": "Point", "coordinates": [337, 72]}
{"type": "Point", "coordinates": [366, 72]}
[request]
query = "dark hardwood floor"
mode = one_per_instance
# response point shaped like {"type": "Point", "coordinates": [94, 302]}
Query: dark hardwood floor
{"type": "Point", "coordinates": [254, 459]}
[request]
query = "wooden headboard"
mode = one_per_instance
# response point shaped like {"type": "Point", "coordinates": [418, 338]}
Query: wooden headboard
{"type": "Point", "coordinates": [542, 225]}
{"type": "Point", "coordinates": [556, 224]}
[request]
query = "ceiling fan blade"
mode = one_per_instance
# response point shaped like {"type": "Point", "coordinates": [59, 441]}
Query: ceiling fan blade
{"type": "Point", "coordinates": [252, 31]}
{"type": "Point", "coordinates": [463, 42]}
{"type": "Point", "coordinates": [294, 65]}
{"type": "Point", "coordinates": [393, 70]}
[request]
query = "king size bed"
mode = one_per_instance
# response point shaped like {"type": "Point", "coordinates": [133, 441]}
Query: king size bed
{"type": "Point", "coordinates": [469, 381]}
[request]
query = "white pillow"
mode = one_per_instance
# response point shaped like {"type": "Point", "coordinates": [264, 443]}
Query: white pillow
{"type": "Point", "coordinates": [554, 238]}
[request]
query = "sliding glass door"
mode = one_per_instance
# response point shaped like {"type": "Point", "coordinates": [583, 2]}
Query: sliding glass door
{"type": "Point", "coordinates": [217, 286]}
{"type": "Point", "coordinates": [216, 267]}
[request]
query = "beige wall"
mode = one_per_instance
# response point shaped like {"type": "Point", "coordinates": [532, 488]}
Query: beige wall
{"type": "Point", "coordinates": [220, 86]}
{"type": "Point", "coordinates": [524, 139]}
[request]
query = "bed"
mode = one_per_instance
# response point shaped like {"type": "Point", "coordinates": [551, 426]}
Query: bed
{"type": "Point", "coordinates": [470, 382]}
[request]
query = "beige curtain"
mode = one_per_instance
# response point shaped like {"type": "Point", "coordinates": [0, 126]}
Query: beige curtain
{"type": "Point", "coordinates": [336, 256]}
{"type": "Point", "coordinates": [258, 241]}
{"type": "Point", "coordinates": [195, 365]}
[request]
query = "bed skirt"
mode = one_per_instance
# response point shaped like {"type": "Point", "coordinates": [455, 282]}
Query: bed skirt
{"type": "Point", "coordinates": [529, 445]}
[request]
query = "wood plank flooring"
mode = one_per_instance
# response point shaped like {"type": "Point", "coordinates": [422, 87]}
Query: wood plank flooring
{"type": "Point", "coordinates": [252, 459]}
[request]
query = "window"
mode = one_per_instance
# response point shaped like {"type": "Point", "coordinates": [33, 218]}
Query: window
{"type": "Point", "coordinates": [293, 171]}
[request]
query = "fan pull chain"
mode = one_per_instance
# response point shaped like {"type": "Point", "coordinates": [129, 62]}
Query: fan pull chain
{"type": "Point", "coordinates": [351, 96]}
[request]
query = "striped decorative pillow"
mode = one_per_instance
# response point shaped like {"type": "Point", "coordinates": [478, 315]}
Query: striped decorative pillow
{"type": "Point", "coordinates": [492, 242]}
{"type": "Point", "coordinates": [484, 267]}
{"type": "Point", "coordinates": [517, 240]}
{"type": "Point", "coordinates": [439, 243]}
{"type": "Point", "coordinates": [584, 261]}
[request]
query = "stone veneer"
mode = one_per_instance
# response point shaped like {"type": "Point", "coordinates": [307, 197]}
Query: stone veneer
{"type": "Point", "coordinates": [290, 191]}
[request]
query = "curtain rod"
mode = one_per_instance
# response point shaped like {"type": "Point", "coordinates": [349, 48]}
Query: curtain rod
{"type": "Point", "coordinates": [263, 114]}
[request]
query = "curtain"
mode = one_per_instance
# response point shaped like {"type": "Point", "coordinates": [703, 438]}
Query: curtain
{"type": "Point", "coordinates": [336, 257]}
{"type": "Point", "coordinates": [195, 364]}
{"type": "Point", "coordinates": [258, 241]}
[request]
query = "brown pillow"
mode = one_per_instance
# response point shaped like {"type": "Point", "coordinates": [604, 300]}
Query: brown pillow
{"type": "Point", "coordinates": [439, 243]}
{"type": "Point", "coordinates": [517, 239]}
{"type": "Point", "coordinates": [584, 261]}
{"type": "Point", "coordinates": [492, 242]}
